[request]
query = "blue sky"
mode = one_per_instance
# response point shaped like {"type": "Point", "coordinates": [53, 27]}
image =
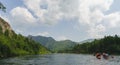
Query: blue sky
{"type": "Point", "coordinates": [76, 20]}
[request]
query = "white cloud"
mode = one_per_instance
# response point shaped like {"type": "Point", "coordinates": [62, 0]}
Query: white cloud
{"type": "Point", "coordinates": [51, 11]}
{"type": "Point", "coordinates": [69, 8]}
{"type": "Point", "coordinates": [113, 19]}
{"type": "Point", "coordinates": [42, 13]}
{"type": "Point", "coordinates": [44, 34]}
{"type": "Point", "coordinates": [46, 11]}
{"type": "Point", "coordinates": [22, 15]}
{"type": "Point", "coordinates": [22, 20]}
{"type": "Point", "coordinates": [92, 14]}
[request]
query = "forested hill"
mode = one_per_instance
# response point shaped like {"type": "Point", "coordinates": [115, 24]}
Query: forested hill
{"type": "Point", "coordinates": [53, 45]}
{"type": "Point", "coordinates": [42, 40]}
{"type": "Point", "coordinates": [108, 44]}
{"type": "Point", "coordinates": [12, 44]}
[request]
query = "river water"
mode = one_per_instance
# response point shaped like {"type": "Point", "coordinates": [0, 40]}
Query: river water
{"type": "Point", "coordinates": [59, 59]}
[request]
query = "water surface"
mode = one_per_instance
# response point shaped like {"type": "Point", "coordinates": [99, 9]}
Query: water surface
{"type": "Point", "coordinates": [59, 59]}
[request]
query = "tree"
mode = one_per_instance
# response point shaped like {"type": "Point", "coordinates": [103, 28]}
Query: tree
{"type": "Point", "coordinates": [108, 44]}
{"type": "Point", "coordinates": [1, 30]}
{"type": "Point", "coordinates": [2, 7]}
{"type": "Point", "coordinates": [6, 33]}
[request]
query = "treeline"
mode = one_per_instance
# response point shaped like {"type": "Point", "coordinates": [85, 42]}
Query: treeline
{"type": "Point", "coordinates": [16, 44]}
{"type": "Point", "coordinates": [108, 44]}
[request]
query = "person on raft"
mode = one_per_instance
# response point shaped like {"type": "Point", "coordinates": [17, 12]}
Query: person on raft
{"type": "Point", "coordinates": [103, 55]}
{"type": "Point", "coordinates": [98, 55]}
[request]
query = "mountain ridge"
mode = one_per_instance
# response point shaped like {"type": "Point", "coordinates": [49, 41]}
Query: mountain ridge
{"type": "Point", "coordinates": [54, 45]}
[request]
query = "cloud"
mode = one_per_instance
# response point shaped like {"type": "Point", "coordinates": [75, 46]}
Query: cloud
{"type": "Point", "coordinates": [46, 11]}
{"type": "Point", "coordinates": [69, 8]}
{"type": "Point", "coordinates": [90, 9]}
{"type": "Point", "coordinates": [22, 19]}
{"type": "Point", "coordinates": [44, 34]}
{"type": "Point", "coordinates": [113, 19]}
{"type": "Point", "coordinates": [92, 15]}
{"type": "Point", "coordinates": [51, 11]}
{"type": "Point", "coordinates": [37, 13]}
{"type": "Point", "coordinates": [22, 15]}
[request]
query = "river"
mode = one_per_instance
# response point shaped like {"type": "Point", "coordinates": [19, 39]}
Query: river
{"type": "Point", "coordinates": [59, 59]}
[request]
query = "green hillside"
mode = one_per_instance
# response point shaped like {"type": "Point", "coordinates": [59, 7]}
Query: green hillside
{"type": "Point", "coordinates": [12, 44]}
{"type": "Point", "coordinates": [108, 44]}
{"type": "Point", "coordinates": [53, 45]}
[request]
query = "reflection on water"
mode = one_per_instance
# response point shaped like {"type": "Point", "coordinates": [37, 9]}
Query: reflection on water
{"type": "Point", "coordinates": [59, 59]}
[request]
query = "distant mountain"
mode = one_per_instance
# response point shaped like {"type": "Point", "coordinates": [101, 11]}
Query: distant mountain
{"type": "Point", "coordinates": [88, 40]}
{"type": "Point", "coordinates": [12, 44]}
{"type": "Point", "coordinates": [43, 40]}
{"type": "Point", "coordinates": [52, 44]}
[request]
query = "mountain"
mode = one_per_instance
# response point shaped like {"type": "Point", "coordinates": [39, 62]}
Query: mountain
{"type": "Point", "coordinates": [53, 45]}
{"type": "Point", "coordinates": [12, 44]}
{"type": "Point", "coordinates": [43, 40]}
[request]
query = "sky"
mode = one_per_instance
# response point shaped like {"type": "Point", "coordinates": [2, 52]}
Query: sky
{"type": "Point", "coordinates": [75, 20]}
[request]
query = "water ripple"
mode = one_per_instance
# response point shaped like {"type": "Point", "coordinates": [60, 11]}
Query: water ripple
{"type": "Point", "coordinates": [60, 59]}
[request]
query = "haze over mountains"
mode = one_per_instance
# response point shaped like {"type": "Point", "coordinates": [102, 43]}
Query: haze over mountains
{"type": "Point", "coordinates": [87, 40]}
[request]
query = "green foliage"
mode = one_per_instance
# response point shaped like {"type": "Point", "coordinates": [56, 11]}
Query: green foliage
{"type": "Point", "coordinates": [19, 45]}
{"type": "Point", "coordinates": [109, 44]}
{"type": "Point", "coordinates": [12, 44]}
{"type": "Point", "coordinates": [53, 45]}
{"type": "Point", "coordinates": [6, 33]}
{"type": "Point", "coordinates": [63, 46]}
{"type": "Point", "coordinates": [0, 30]}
